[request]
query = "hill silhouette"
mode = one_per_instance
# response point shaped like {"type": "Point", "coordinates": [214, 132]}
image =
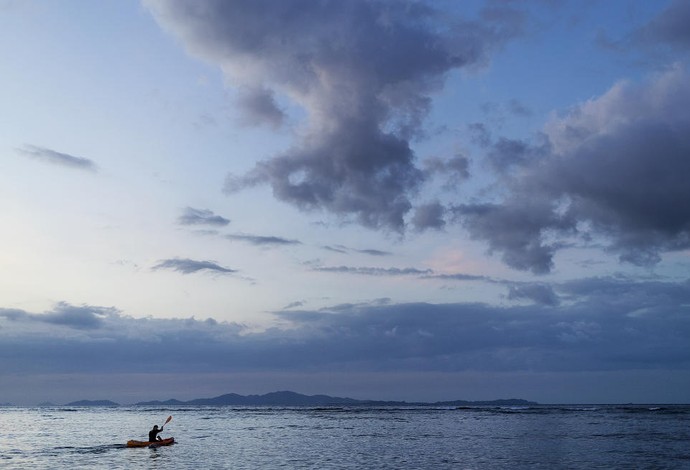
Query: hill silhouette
{"type": "Point", "coordinates": [93, 403]}
{"type": "Point", "coordinates": [287, 398]}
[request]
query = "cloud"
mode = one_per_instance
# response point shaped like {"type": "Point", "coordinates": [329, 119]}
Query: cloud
{"type": "Point", "coordinates": [85, 317]}
{"type": "Point", "coordinates": [295, 304]}
{"type": "Point", "coordinates": [479, 134]}
{"type": "Point", "coordinates": [115, 343]}
{"type": "Point", "coordinates": [189, 266]}
{"type": "Point", "coordinates": [607, 325]}
{"type": "Point", "coordinates": [455, 169]}
{"type": "Point", "coordinates": [457, 277]}
{"type": "Point", "coordinates": [374, 252]}
{"type": "Point", "coordinates": [193, 216]}
{"type": "Point", "coordinates": [364, 73]}
{"type": "Point", "coordinates": [259, 107]}
{"type": "Point", "coordinates": [429, 216]}
{"type": "Point", "coordinates": [422, 273]}
{"type": "Point", "coordinates": [539, 293]}
{"type": "Point", "coordinates": [670, 26]}
{"type": "Point", "coordinates": [57, 158]}
{"type": "Point", "coordinates": [516, 229]}
{"type": "Point", "coordinates": [518, 109]}
{"type": "Point", "coordinates": [505, 155]}
{"type": "Point", "coordinates": [615, 167]}
{"type": "Point", "coordinates": [262, 240]}
{"type": "Point", "coordinates": [372, 271]}
{"type": "Point", "coordinates": [336, 248]}
{"type": "Point", "coordinates": [365, 251]}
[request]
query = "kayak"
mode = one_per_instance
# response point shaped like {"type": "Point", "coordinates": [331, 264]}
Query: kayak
{"type": "Point", "coordinates": [164, 442]}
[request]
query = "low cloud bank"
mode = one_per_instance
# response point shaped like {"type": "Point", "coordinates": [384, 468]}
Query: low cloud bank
{"type": "Point", "coordinates": [597, 324]}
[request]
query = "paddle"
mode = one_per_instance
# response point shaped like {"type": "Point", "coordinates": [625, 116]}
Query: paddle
{"type": "Point", "coordinates": [166, 422]}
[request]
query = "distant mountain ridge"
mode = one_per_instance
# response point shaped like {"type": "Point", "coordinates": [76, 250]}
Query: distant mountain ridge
{"type": "Point", "coordinates": [287, 398]}
{"type": "Point", "coordinates": [93, 403]}
{"type": "Point", "coordinates": [283, 398]}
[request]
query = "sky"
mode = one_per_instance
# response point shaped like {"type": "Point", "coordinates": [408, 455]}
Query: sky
{"type": "Point", "coordinates": [376, 199]}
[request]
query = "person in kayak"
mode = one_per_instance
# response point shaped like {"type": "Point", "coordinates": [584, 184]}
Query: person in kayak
{"type": "Point", "coordinates": [153, 434]}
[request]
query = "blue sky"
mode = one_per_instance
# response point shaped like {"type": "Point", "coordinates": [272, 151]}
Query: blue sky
{"type": "Point", "coordinates": [376, 199]}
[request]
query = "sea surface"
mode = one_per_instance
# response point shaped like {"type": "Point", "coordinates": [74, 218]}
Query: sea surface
{"type": "Point", "coordinates": [537, 437]}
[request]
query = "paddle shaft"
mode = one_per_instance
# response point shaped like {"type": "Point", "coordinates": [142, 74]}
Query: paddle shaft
{"type": "Point", "coordinates": [166, 422]}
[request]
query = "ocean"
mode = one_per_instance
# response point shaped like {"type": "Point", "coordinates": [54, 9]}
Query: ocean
{"type": "Point", "coordinates": [358, 437]}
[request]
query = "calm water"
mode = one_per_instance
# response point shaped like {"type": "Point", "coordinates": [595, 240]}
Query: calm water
{"type": "Point", "coordinates": [549, 437]}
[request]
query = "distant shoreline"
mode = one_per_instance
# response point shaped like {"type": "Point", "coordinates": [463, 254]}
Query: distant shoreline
{"type": "Point", "coordinates": [288, 398]}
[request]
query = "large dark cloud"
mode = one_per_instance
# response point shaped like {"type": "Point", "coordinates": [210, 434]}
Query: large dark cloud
{"type": "Point", "coordinates": [606, 325]}
{"type": "Point", "coordinates": [616, 167]}
{"type": "Point", "coordinates": [612, 169]}
{"type": "Point", "coordinates": [364, 72]}
{"type": "Point", "coordinates": [516, 229]}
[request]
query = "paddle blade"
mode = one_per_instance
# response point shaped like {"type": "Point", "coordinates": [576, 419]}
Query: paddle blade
{"type": "Point", "coordinates": [167, 420]}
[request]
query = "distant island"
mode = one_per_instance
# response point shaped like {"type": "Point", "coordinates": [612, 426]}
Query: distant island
{"type": "Point", "coordinates": [287, 398]}
{"type": "Point", "coordinates": [93, 403]}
